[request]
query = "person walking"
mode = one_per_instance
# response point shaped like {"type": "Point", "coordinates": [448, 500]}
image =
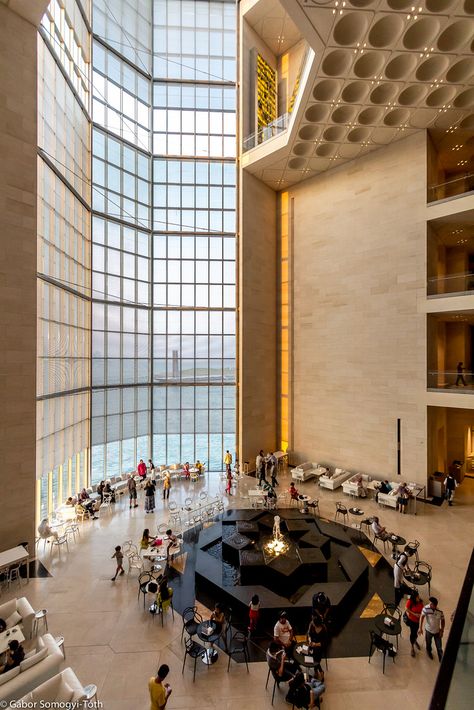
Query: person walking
{"type": "Point", "coordinates": [149, 496]}
{"type": "Point", "coordinates": [159, 691]}
{"type": "Point", "coordinates": [272, 466]}
{"type": "Point", "coordinates": [132, 492]}
{"type": "Point", "coordinates": [460, 377]}
{"type": "Point", "coordinates": [254, 613]}
{"type": "Point", "coordinates": [450, 484]}
{"type": "Point", "coordinates": [228, 461]}
{"type": "Point", "coordinates": [166, 485]}
{"type": "Point", "coordinates": [228, 488]}
{"type": "Point", "coordinates": [118, 555]}
{"type": "Point", "coordinates": [260, 467]}
{"type": "Point", "coordinates": [432, 620]}
{"type": "Point", "coordinates": [414, 607]}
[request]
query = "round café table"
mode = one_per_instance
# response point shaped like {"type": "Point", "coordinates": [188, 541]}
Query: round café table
{"type": "Point", "coordinates": [306, 659]}
{"type": "Point", "coordinates": [396, 541]}
{"type": "Point", "coordinates": [210, 654]}
{"type": "Point", "coordinates": [419, 579]}
{"type": "Point", "coordinates": [357, 512]}
{"type": "Point", "coordinates": [393, 630]}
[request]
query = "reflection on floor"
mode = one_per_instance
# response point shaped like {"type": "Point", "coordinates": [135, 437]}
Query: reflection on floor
{"type": "Point", "coordinates": [113, 642]}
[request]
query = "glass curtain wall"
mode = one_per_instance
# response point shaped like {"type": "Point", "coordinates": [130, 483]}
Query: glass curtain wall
{"type": "Point", "coordinates": [63, 364]}
{"type": "Point", "coordinates": [194, 179]}
{"type": "Point", "coordinates": [163, 313]}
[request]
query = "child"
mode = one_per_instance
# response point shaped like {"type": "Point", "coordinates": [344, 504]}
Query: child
{"type": "Point", "coordinates": [254, 613]}
{"type": "Point", "coordinates": [118, 554]}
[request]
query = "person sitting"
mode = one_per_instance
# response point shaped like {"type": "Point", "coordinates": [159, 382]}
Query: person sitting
{"type": "Point", "coordinates": [186, 471]}
{"type": "Point", "coordinates": [305, 693]}
{"type": "Point", "coordinates": [361, 492]}
{"type": "Point", "coordinates": [378, 530]}
{"type": "Point", "coordinates": [271, 495]}
{"type": "Point", "coordinates": [146, 540]}
{"type": "Point", "coordinates": [293, 491]}
{"type": "Point", "coordinates": [45, 530]}
{"type": "Point", "coordinates": [279, 663]}
{"type": "Point", "coordinates": [283, 633]}
{"type": "Point", "coordinates": [317, 637]}
{"type": "Point", "coordinates": [108, 489]}
{"type": "Point", "coordinates": [218, 617]}
{"type": "Point", "coordinates": [322, 607]}
{"type": "Point", "coordinates": [14, 656]}
{"type": "Point", "coordinates": [199, 466]}
{"type": "Point", "coordinates": [173, 544]}
{"type": "Point", "coordinates": [385, 487]}
{"type": "Point", "coordinates": [86, 506]}
{"type": "Point", "coordinates": [3, 626]}
{"type": "Point", "coordinates": [71, 501]}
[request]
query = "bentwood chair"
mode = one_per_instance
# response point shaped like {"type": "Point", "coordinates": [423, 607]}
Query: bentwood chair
{"type": "Point", "coordinates": [342, 511]}
{"type": "Point", "coordinates": [379, 643]}
{"type": "Point", "coordinates": [191, 620]}
{"type": "Point", "coordinates": [194, 650]}
{"type": "Point", "coordinates": [238, 646]}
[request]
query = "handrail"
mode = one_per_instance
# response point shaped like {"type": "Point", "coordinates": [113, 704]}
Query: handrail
{"type": "Point", "coordinates": [451, 188]}
{"type": "Point", "coordinates": [449, 182]}
{"type": "Point", "coordinates": [440, 697]}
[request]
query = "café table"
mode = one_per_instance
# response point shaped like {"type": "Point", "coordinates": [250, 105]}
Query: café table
{"type": "Point", "coordinates": [395, 629]}
{"type": "Point", "coordinates": [15, 555]}
{"type": "Point", "coordinates": [357, 512]}
{"type": "Point", "coordinates": [304, 656]}
{"type": "Point", "coordinates": [395, 541]}
{"type": "Point", "coordinates": [13, 634]}
{"type": "Point", "coordinates": [303, 500]}
{"type": "Point", "coordinates": [210, 654]}
{"type": "Point", "coordinates": [419, 579]}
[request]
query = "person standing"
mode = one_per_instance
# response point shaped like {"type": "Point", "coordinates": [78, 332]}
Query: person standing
{"type": "Point", "coordinates": [132, 492]}
{"type": "Point", "coordinates": [149, 496]}
{"type": "Point", "coordinates": [228, 461]}
{"type": "Point", "coordinates": [432, 619]}
{"type": "Point", "coordinates": [151, 469]}
{"type": "Point", "coordinates": [254, 613]}
{"type": "Point", "coordinates": [272, 466]}
{"type": "Point", "coordinates": [166, 485]}
{"type": "Point", "coordinates": [141, 469]}
{"type": "Point", "coordinates": [228, 488]}
{"type": "Point", "coordinates": [403, 495]}
{"type": "Point", "coordinates": [260, 467]}
{"type": "Point", "coordinates": [414, 607]}
{"type": "Point", "coordinates": [159, 691]}
{"type": "Point", "coordinates": [460, 377]}
{"type": "Point", "coordinates": [450, 484]}
{"type": "Point", "coordinates": [398, 576]}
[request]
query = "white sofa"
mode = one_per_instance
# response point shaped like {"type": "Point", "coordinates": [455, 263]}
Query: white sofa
{"type": "Point", "coordinates": [350, 486]}
{"type": "Point", "coordinates": [62, 688]}
{"type": "Point", "coordinates": [388, 499]}
{"type": "Point", "coordinates": [39, 665]}
{"type": "Point", "coordinates": [18, 607]}
{"type": "Point", "coordinates": [304, 471]}
{"type": "Point", "coordinates": [334, 480]}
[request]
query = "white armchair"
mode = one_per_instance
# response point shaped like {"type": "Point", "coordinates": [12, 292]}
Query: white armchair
{"type": "Point", "coordinates": [18, 608]}
{"type": "Point", "coordinates": [350, 487]}
{"type": "Point", "coordinates": [64, 687]}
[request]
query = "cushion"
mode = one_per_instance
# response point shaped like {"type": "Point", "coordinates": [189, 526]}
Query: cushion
{"type": "Point", "coordinates": [65, 693]}
{"type": "Point", "coordinates": [13, 620]}
{"type": "Point", "coordinates": [34, 659]}
{"type": "Point", "coordinates": [5, 677]}
{"type": "Point", "coordinates": [30, 653]}
{"type": "Point", "coordinates": [338, 471]}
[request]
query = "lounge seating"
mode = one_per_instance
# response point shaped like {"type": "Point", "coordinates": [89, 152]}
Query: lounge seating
{"type": "Point", "coordinates": [39, 665]}
{"type": "Point", "coordinates": [304, 471]}
{"type": "Point", "coordinates": [335, 480]}
{"type": "Point", "coordinates": [389, 499]}
{"type": "Point", "coordinates": [18, 611]}
{"type": "Point", "coordinates": [64, 687]}
{"type": "Point", "coordinates": [350, 487]}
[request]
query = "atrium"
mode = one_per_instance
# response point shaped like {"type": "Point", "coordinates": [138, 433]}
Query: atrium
{"type": "Point", "coordinates": [232, 227]}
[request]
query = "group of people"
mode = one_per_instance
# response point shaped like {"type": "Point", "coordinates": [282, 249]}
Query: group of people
{"type": "Point", "coordinates": [266, 466]}
{"type": "Point", "coordinates": [303, 691]}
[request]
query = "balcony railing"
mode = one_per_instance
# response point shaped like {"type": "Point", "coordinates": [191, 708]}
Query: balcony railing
{"type": "Point", "coordinates": [273, 129]}
{"type": "Point", "coordinates": [451, 380]}
{"type": "Point", "coordinates": [453, 688]}
{"type": "Point", "coordinates": [454, 283]}
{"type": "Point", "coordinates": [451, 188]}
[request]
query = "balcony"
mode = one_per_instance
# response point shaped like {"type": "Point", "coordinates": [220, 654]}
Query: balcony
{"type": "Point", "coordinates": [451, 380]}
{"type": "Point", "coordinates": [450, 163]}
{"type": "Point", "coordinates": [460, 185]}
{"type": "Point", "coordinates": [450, 352]}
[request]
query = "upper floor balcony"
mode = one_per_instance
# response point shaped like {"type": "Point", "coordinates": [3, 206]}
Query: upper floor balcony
{"type": "Point", "coordinates": [450, 162]}
{"type": "Point", "coordinates": [450, 255]}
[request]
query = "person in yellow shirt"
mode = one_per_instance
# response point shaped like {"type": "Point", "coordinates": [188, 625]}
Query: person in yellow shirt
{"type": "Point", "coordinates": [228, 460]}
{"type": "Point", "coordinates": [159, 691]}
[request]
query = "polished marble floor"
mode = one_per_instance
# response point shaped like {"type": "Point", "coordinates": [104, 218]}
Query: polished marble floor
{"type": "Point", "coordinates": [112, 642]}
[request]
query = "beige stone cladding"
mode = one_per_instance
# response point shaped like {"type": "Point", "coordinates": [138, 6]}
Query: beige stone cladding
{"type": "Point", "coordinates": [257, 320]}
{"type": "Point", "coordinates": [359, 336]}
{"type": "Point", "coordinates": [18, 46]}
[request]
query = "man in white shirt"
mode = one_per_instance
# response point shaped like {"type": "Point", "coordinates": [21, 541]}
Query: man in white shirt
{"type": "Point", "coordinates": [378, 529]}
{"type": "Point", "coordinates": [432, 619]}
{"type": "Point", "coordinates": [283, 633]}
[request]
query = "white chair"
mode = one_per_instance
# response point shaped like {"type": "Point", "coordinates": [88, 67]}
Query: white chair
{"type": "Point", "coordinates": [71, 530]}
{"type": "Point", "coordinates": [14, 576]}
{"type": "Point", "coordinates": [203, 495]}
{"type": "Point", "coordinates": [134, 562]}
{"type": "Point", "coordinates": [62, 540]}
{"type": "Point", "coordinates": [129, 547]}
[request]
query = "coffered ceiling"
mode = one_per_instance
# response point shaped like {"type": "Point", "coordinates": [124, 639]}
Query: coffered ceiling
{"type": "Point", "coordinates": [382, 69]}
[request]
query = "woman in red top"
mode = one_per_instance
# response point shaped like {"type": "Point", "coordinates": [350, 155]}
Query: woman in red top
{"type": "Point", "coordinates": [414, 607]}
{"type": "Point", "coordinates": [141, 469]}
